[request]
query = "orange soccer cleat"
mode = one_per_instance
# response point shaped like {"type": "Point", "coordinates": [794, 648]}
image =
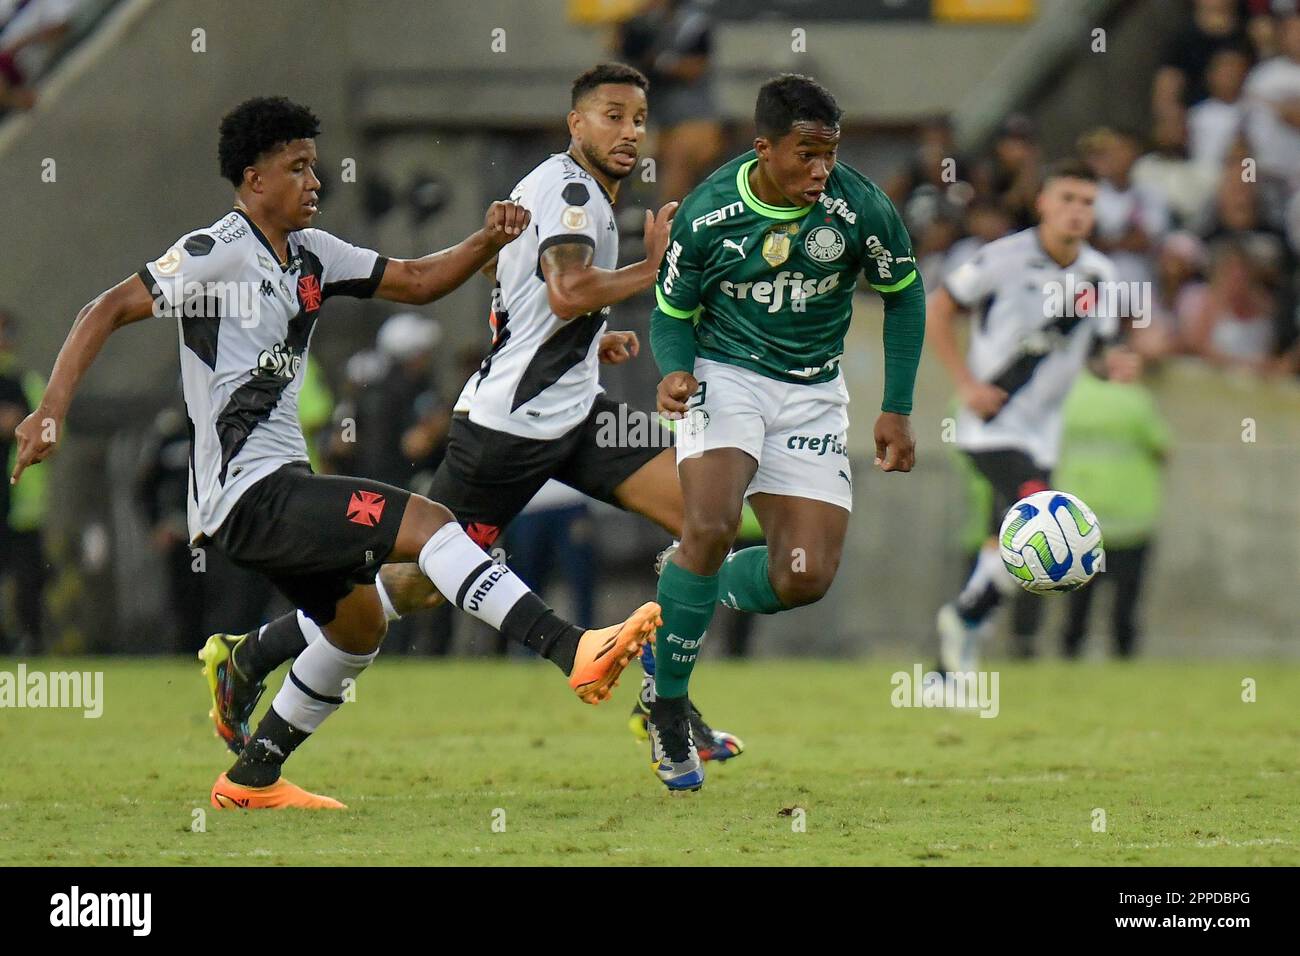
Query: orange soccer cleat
{"type": "Point", "coordinates": [603, 653]}
{"type": "Point", "coordinates": [278, 796]}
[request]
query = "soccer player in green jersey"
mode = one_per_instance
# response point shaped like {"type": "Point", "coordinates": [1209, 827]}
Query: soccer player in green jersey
{"type": "Point", "coordinates": [754, 297]}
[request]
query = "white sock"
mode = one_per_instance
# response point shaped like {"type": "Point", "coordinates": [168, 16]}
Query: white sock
{"type": "Point", "coordinates": [390, 612]}
{"type": "Point", "coordinates": [467, 577]}
{"type": "Point", "coordinates": [314, 686]}
{"type": "Point", "coordinates": [310, 630]}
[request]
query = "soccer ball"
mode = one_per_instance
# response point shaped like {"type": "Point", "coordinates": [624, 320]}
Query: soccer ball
{"type": "Point", "coordinates": [1051, 541]}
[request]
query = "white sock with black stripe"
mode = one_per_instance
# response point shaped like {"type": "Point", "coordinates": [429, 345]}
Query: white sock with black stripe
{"type": "Point", "coordinates": [316, 682]}
{"type": "Point", "coordinates": [469, 578]}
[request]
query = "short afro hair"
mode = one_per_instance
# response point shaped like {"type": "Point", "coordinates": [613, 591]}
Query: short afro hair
{"type": "Point", "coordinates": [259, 126]}
{"type": "Point", "coordinates": [791, 98]}
{"type": "Point", "coordinates": [603, 73]}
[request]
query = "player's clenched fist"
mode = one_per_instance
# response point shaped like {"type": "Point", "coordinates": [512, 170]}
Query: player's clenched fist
{"type": "Point", "coordinates": [674, 392]}
{"type": "Point", "coordinates": [505, 222]}
{"type": "Point", "coordinates": [617, 347]}
{"type": "Point", "coordinates": [895, 446]}
{"type": "Point", "coordinates": [37, 435]}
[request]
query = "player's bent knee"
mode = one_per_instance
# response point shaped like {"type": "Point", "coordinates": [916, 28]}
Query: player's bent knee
{"type": "Point", "coordinates": [708, 541]}
{"type": "Point", "coordinates": [799, 588]}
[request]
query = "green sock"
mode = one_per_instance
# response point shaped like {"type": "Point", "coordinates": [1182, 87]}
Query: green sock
{"type": "Point", "coordinates": [688, 600]}
{"type": "Point", "coordinates": [744, 584]}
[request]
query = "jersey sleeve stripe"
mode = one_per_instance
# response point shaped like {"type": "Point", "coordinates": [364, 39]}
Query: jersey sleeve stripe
{"type": "Point", "coordinates": [897, 286]}
{"type": "Point", "coordinates": [358, 288]}
{"type": "Point", "coordinates": [667, 308]}
{"type": "Point", "coordinates": [152, 284]}
{"type": "Point", "coordinates": [560, 239]}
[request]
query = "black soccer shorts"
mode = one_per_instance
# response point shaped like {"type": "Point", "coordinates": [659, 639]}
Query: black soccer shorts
{"type": "Point", "coordinates": [1013, 475]}
{"type": "Point", "coordinates": [488, 476]}
{"type": "Point", "coordinates": [315, 536]}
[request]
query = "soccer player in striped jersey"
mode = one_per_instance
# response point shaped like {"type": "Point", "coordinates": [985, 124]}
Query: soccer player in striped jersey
{"type": "Point", "coordinates": [1038, 316]}
{"type": "Point", "coordinates": [534, 410]}
{"type": "Point", "coordinates": [246, 293]}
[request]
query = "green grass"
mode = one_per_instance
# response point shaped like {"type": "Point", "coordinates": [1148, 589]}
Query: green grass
{"type": "Point", "coordinates": [1186, 772]}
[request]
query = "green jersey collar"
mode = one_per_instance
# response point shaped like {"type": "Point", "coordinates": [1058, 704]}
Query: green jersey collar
{"type": "Point", "coordinates": [760, 207]}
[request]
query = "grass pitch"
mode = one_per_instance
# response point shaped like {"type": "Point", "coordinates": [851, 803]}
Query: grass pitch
{"type": "Point", "coordinates": [431, 755]}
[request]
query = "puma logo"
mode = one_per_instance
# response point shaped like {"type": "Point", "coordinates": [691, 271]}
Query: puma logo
{"type": "Point", "coordinates": [227, 801]}
{"type": "Point", "coordinates": [738, 246]}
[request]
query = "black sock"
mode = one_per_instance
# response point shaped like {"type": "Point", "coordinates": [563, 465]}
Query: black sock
{"type": "Point", "coordinates": [976, 610]}
{"type": "Point", "coordinates": [267, 648]}
{"type": "Point", "coordinates": [531, 623]}
{"type": "Point", "coordinates": [272, 743]}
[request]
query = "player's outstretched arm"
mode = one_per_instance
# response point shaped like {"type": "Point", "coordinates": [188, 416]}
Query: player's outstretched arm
{"type": "Point", "coordinates": [128, 301]}
{"type": "Point", "coordinates": [421, 281]}
{"type": "Point", "coordinates": [575, 287]}
{"type": "Point", "coordinates": [941, 311]}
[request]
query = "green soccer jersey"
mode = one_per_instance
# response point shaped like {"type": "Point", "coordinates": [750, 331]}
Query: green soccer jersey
{"type": "Point", "coordinates": [770, 288]}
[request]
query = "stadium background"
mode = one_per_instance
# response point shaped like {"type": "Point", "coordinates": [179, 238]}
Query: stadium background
{"type": "Point", "coordinates": [439, 124]}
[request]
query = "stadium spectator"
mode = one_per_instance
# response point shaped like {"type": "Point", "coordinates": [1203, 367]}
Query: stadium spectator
{"type": "Point", "coordinates": [1234, 325]}
{"type": "Point", "coordinates": [1179, 293]}
{"type": "Point", "coordinates": [985, 221]}
{"type": "Point", "coordinates": [1180, 81]}
{"type": "Point", "coordinates": [22, 509]}
{"type": "Point", "coordinates": [1010, 174]}
{"type": "Point", "coordinates": [671, 42]}
{"type": "Point", "coordinates": [1273, 116]}
{"type": "Point", "coordinates": [397, 417]}
{"type": "Point", "coordinates": [1186, 187]}
{"type": "Point", "coordinates": [1216, 122]}
{"type": "Point", "coordinates": [1238, 219]}
{"type": "Point", "coordinates": [933, 189]}
{"type": "Point", "coordinates": [1131, 218]}
{"type": "Point", "coordinates": [1114, 445]}
{"type": "Point", "coordinates": [27, 43]}
{"type": "Point", "coordinates": [204, 590]}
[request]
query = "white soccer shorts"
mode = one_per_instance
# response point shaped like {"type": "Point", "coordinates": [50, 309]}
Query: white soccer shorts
{"type": "Point", "coordinates": [797, 433]}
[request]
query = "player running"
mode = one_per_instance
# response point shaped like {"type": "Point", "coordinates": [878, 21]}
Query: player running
{"type": "Point", "coordinates": [247, 292]}
{"type": "Point", "coordinates": [1039, 319]}
{"type": "Point", "coordinates": [533, 410]}
{"type": "Point", "coordinates": [754, 298]}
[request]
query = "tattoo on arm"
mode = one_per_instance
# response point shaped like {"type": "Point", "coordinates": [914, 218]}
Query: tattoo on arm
{"type": "Point", "coordinates": [565, 257]}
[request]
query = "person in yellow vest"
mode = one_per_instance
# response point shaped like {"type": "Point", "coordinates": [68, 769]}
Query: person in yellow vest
{"type": "Point", "coordinates": [1115, 446]}
{"type": "Point", "coordinates": [22, 508]}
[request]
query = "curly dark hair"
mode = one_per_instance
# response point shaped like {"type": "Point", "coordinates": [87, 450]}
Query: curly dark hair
{"type": "Point", "coordinates": [607, 73]}
{"type": "Point", "coordinates": [259, 126]}
{"type": "Point", "coordinates": [791, 98]}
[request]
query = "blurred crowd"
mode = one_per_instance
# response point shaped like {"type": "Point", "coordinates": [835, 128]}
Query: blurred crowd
{"type": "Point", "coordinates": [1205, 206]}
{"type": "Point", "coordinates": [32, 34]}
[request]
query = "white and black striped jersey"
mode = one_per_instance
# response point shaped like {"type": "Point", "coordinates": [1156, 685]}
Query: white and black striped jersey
{"type": "Point", "coordinates": [245, 321]}
{"type": "Point", "coordinates": [1033, 325]}
{"type": "Point", "coordinates": [542, 374]}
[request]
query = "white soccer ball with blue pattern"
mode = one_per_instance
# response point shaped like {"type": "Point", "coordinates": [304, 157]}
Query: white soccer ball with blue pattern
{"type": "Point", "coordinates": [1051, 541]}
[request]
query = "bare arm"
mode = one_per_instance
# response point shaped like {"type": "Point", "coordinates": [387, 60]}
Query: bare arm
{"type": "Point", "coordinates": [940, 330]}
{"type": "Point", "coordinates": [128, 301]}
{"type": "Point", "coordinates": [575, 287]}
{"type": "Point", "coordinates": [421, 281]}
